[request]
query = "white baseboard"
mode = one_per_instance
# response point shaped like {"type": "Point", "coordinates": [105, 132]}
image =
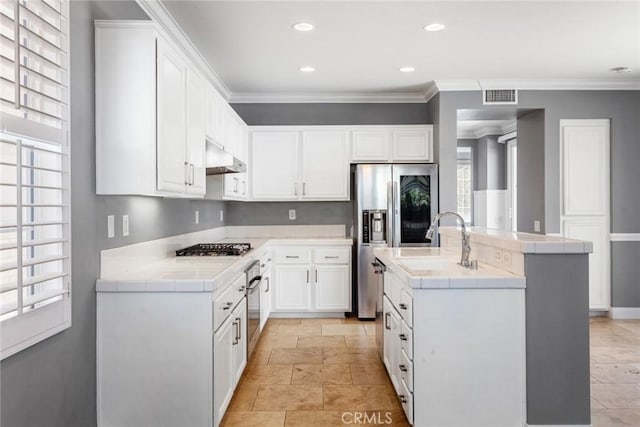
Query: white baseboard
{"type": "Point", "coordinates": [624, 313]}
{"type": "Point", "coordinates": [558, 425]}
{"type": "Point", "coordinates": [305, 315]}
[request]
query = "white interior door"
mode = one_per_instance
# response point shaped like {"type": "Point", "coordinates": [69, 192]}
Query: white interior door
{"type": "Point", "coordinates": [584, 172]}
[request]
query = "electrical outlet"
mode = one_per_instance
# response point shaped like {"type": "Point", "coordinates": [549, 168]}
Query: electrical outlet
{"type": "Point", "coordinates": [197, 217]}
{"type": "Point", "coordinates": [125, 225]}
{"type": "Point", "coordinates": [221, 215]}
{"type": "Point", "coordinates": [111, 226]}
{"type": "Point", "coordinates": [536, 226]}
{"type": "Point", "coordinates": [292, 214]}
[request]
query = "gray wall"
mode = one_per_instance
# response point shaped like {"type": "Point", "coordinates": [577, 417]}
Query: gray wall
{"type": "Point", "coordinates": [492, 164]}
{"type": "Point", "coordinates": [531, 171]}
{"type": "Point", "coordinates": [332, 114]}
{"type": "Point", "coordinates": [473, 144]}
{"type": "Point", "coordinates": [53, 383]}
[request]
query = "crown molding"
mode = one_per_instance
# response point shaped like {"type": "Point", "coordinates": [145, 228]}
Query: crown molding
{"type": "Point", "coordinates": [457, 85]}
{"type": "Point", "coordinates": [168, 25]}
{"type": "Point", "coordinates": [539, 84]}
{"type": "Point", "coordinates": [326, 97]}
{"type": "Point", "coordinates": [431, 91]}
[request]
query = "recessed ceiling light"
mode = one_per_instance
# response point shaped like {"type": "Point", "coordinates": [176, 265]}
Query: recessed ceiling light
{"type": "Point", "coordinates": [407, 69]}
{"type": "Point", "coordinates": [303, 26]}
{"type": "Point", "coordinates": [621, 69]}
{"type": "Point", "coordinates": [307, 69]}
{"type": "Point", "coordinates": [434, 27]}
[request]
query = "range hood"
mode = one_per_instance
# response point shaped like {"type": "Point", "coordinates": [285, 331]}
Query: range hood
{"type": "Point", "coordinates": [219, 161]}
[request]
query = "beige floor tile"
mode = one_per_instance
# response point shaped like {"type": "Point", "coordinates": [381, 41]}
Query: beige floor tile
{"type": "Point", "coordinates": [289, 397]}
{"type": "Point", "coordinates": [596, 405]}
{"type": "Point", "coordinates": [277, 341]}
{"type": "Point", "coordinates": [370, 329]}
{"type": "Point", "coordinates": [268, 374]}
{"type": "Point", "coordinates": [330, 341]}
{"type": "Point", "coordinates": [292, 356]}
{"type": "Point", "coordinates": [244, 397]}
{"type": "Point", "coordinates": [321, 374]}
{"type": "Point", "coordinates": [360, 341]}
{"type": "Point", "coordinates": [346, 329]}
{"type": "Point", "coordinates": [616, 373]}
{"type": "Point", "coordinates": [615, 355]}
{"type": "Point", "coordinates": [330, 321]}
{"type": "Point", "coordinates": [351, 355]}
{"type": "Point", "coordinates": [260, 357]}
{"type": "Point", "coordinates": [356, 398]}
{"type": "Point", "coordinates": [278, 322]}
{"type": "Point", "coordinates": [352, 320]}
{"type": "Point", "coordinates": [300, 330]}
{"type": "Point", "coordinates": [615, 418]}
{"type": "Point", "coordinates": [254, 419]}
{"type": "Point", "coordinates": [617, 396]}
{"type": "Point", "coordinates": [631, 325]}
{"type": "Point", "coordinates": [373, 373]}
{"type": "Point", "coordinates": [313, 419]}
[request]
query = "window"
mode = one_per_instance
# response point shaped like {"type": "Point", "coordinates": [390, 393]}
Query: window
{"type": "Point", "coordinates": [35, 247]}
{"type": "Point", "coordinates": [465, 184]}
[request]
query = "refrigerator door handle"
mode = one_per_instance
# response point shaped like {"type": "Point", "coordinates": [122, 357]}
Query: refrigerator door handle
{"type": "Point", "coordinates": [395, 213]}
{"type": "Point", "coordinates": [390, 232]}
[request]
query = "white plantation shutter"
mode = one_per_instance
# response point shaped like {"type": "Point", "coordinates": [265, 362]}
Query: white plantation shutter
{"type": "Point", "coordinates": [35, 282]}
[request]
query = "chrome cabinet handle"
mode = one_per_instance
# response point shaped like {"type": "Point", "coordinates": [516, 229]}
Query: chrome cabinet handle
{"type": "Point", "coordinates": [386, 321]}
{"type": "Point", "coordinates": [307, 276]}
{"type": "Point", "coordinates": [316, 276]}
{"type": "Point", "coordinates": [235, 335]}
{"type": "Point", "coordinates": [238, 328]}
{"type": "Point", "coordinates": [295, 188]}
{"type": "Point", "coordinates": [403, 368]}
{"type": "Point", "coordinates": [292, 256]}
{"type": "Point", "coordinates": [403, 306]}
{"type": "Point", "coordinates": [304, 188]}
{"type": "Point", "coordinates": [268, 285]}
{"type": "Point", "coordinates": [403, 337]}
{"type": "Point", "coordinates": [242, 288]}
{"type": "Point", "coordinates": [193, 174]}
{"type": "Point", "coordinates": [402, 398]}
{"type": "Point", "coordinates": [331, 257]}
{"type": "Point", "coordinates": [186, 174]}
{"type": "Point", "coordinates": [227, 306]}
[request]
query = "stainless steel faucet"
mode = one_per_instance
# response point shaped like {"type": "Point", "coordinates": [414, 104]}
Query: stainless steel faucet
{"type": "Point", "coordinates": [466, 248]}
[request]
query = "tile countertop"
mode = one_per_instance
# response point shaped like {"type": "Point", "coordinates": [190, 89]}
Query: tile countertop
{"type": "Point", "coordinates": [198, 274]}
{"type": "Point", "coordinates": [448, 274]}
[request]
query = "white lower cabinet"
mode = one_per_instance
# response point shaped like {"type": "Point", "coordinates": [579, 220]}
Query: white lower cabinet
{"type": "Point", "coordinates": [447, 346]}
{"type": "Point", "coordinates": [312, 279]}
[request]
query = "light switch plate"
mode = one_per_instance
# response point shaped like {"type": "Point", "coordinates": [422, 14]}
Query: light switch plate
{"type": "Point", "coordinates": [292, 214]}
{"type": "Point", "coordinates": [197, 217]}
{"type": "Point", "coordinates": [111, 226]}
{"type": "Point", "coordinates": [125, 225]}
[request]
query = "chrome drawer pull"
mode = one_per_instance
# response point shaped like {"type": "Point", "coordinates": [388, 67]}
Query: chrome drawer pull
{"type": "Point", "coordinates": [403, 368]}
{"type": "Point", "coordinates": [292, 256]}
{"type": "Point", "coordinates": [402, 398]}
{"type": "Point", "coordinates": [403, 306]}
{"type": "Point", "coordinates": [227, 306]}
{"type": "Point", "coordinates": [386, 321]}
{"type": "Point", "coordinates": [331, 257]}
{"type": "Point", "coordinates": [403, 337]}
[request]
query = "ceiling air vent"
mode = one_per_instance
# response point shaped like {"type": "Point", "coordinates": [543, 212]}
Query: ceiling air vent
{"type": "Point", "coordinates": [499, 96]}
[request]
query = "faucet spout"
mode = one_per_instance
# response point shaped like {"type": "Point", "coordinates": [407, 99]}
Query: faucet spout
{"type": "Point", "coordinates": [466, 248]}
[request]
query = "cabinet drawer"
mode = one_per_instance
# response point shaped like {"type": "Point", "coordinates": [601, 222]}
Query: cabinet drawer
{"type": "Point", "coordinates": [340, 255]}
{"type": "Point", "coordinates": [406, 339]}
{"type": "Point", "coordinates": [406, 369]}
{"type": "Point", "coordinates": [406, 307]}
{"type": "Point", "coordinates": [292, 255]}
{"type": "Point", "coordinates": [406, 399]}
{"type": "Point", "coordinates": [226, 301]}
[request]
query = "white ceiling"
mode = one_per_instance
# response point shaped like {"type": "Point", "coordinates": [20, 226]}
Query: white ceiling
{"type": "Point", "coordinates": [357, 47]}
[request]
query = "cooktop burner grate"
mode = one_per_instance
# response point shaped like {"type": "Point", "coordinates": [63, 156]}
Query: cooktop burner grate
{"type": "Point", "coordinates": [215, 249]}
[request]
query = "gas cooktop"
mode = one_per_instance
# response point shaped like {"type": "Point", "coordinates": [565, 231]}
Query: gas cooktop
{"type": "Point", "coordinates": [215, 249]}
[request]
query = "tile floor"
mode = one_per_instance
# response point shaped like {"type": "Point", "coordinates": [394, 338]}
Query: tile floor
{"type": "Point", "coordinates": [309, 372]}
{"type": "Point", "coordinates": [615, 372]}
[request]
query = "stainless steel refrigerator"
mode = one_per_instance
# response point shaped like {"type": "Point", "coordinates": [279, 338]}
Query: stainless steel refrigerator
{"type": "Point", "coordinates": [394, 207]}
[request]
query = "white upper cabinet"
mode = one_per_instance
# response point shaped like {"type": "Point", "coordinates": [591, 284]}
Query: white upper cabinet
{"type": "Point", "coordinates": [410, 143]}
{"type": "Point", "coordinates": [371, 145]}
{"type": "Point", "coordinates": [196, 131]}
{"type": "Point", "coordinates": [274, 165]}
{"type": "Point", "coordinates": [294, 164]}
{"type": "Point", "coordinates": [325, 165]}
{"type": "Point", "coordinates": [150, 114]}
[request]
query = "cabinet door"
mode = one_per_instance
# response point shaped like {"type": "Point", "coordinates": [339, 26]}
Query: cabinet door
{"type": "Point", "coordinates": [292, 288]}
{"type": "Point", "coordinates": [412, 145]}
{"type": "Point", "coordinates": [332, 288]}
{"type": "Point", "coordinates": [265, 298]}
{"type": "Point", "coordinates": [392, 348]}
{"type": "Point", "coordinates": [222, 374]}
{"type": "Point", "coordinates": [239, 353]}
{"type": "Point", "coordinates": [232, 186]}
{"type": "Point", "coordinates": [211, 113]}
{"type": "Point", "coordinates": [172, 170]}
{"type": "Point", "coordinates": [196, 132]}
{"type": "Point", "coordinates": [325, 165]}
{"type": "Point", "coordinates": [371, 145]}
{"type": "Point", "coordinates": [274, 165]}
